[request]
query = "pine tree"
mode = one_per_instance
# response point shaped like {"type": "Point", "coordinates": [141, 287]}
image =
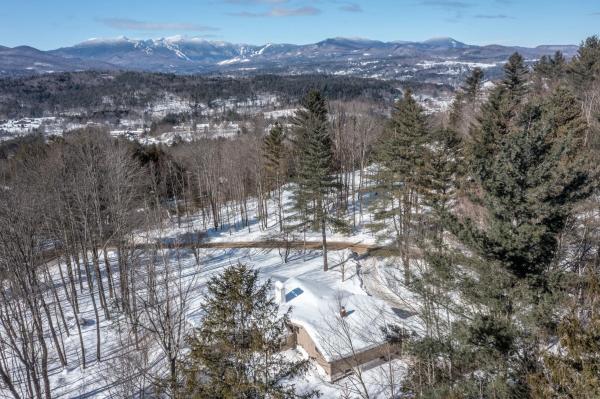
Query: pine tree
{"type": "Point", "coordinates": [434, 281]}
{"type": "Point", "coordinates": [559, 65]}
{"type": "Point", "coordinates": [400, 155]}
{"type": "Point", "coordinates": [315, 183]}
{"type": "Point", "coordinates": [526, 172]}
{"type": "Point", "coordinates": [515, 76]}
{"type": "Point", "coordinates": [574, 371]}
{"type": "Point", "coordinates": [236, 351]}
{"type": "Point", "coordinates": [466, 99]}
{"type": "Point", "coordinates": [550, 71]}
{"type": "Point", "coordinates": [510, 165]}
{"type": "Point", "coordinates": [584, 74]}
{"type": "Point", "coordinates": [441, 172]}
{"type": "Point", "coordinates": [529, 176]}
{"type": "Point", "coordinates": [473, 84]}
{"type": "Point", "coordinates": [585, 67]}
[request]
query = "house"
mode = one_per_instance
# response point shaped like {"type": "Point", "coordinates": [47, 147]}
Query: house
{"type": "Point", "coordinates": [338, 330]}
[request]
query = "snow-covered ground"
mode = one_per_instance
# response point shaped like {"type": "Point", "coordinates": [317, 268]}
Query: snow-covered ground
{"type": "Point", "coordinates": [232, 229]}
{"type": "Point", "coordinates": [311, 293]}
{"type": "Point", "coordinates": [73, 382]}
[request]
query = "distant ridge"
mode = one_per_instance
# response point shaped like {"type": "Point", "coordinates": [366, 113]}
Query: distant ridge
{"type": "Point", "coordinates": [190, 55]}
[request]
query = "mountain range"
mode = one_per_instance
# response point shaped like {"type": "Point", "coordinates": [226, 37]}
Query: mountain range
{"type": "Point", "coordinates": [438, 59]}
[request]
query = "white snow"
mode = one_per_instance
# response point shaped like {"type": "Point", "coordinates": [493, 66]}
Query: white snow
{"type": "Point", "coordinates": [315, 302]}
{"type": "Point", "coordinates": [280, 113]}
{"type": "Point", "coordinates": [453, 63]}
{"type": "Point", "coordinates": [313, 295]}
{"type": "Point", "coordinates": [234, 60]}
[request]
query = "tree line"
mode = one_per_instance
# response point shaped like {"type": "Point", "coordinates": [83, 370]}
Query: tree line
{"type": "Point", "coordinates": [500, 203]}
{"type": "Point", "coordinates": [97, 95]}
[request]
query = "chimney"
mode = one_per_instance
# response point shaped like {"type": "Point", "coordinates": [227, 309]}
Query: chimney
{"type": "Point", "coordinates": [279, 293]}
{"type": "Point", "coordinates": [343, 312]}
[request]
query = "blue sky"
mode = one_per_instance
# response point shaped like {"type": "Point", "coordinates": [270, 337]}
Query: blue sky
{"type": "Point", "coordinates": [48, 24]}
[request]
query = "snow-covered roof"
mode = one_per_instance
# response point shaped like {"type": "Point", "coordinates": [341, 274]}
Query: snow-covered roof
{"type": "Point", "coordinates": [316, 308]}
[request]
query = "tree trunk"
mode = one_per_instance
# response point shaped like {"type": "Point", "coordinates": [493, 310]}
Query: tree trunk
{"type": "Point", "coordinates": [324, 235]}
{"type": "Point", "coordinates": [8, 383]}
{"type": "Point", "coordinates": [111, 292]}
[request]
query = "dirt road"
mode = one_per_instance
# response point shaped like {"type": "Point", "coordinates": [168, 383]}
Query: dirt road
{"type": "Point", "coordinates": [359, 248]}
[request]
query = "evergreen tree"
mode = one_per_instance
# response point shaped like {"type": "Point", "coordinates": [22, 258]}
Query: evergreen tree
{"type": "Point", "coordinates": [441, 173]}
{"type": "Point", "coordinates": [466, 99]}
{"type": "Point", "coordinates": [315, 183]}
{"type": "Point", "coordinates": [584, 74]}
{"type": "Point", "coordinates": [549, 72]}
{"type": "Point", "coordinates": [400, 155]}
{"type": "Point", "coordinates": [515, 76]}
{"type": "Point", "coordinates": [236, 352]}
{"type": "Point", "coordinates": [527, 172]}
{"type": "Point", "coordinates": [574, 371]}
{"type": "Point", "coordinates": [585, 67]}
{"type": "Point", "coordinates": [434, 282]}
{"type": "Point", "coordinates": [273, 148]}
{"type": "Point", "coordinates": [473, 84]}
{"type": "Point", "coordinates": [529, 177]}
{"type": "Point", "coordinates": [512, 165]}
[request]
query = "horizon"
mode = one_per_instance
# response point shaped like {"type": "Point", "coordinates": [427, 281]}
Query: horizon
{"type": "Point", "coordinates": [65, 23]}
{"type": "Point", "coordinates": [180, 37]}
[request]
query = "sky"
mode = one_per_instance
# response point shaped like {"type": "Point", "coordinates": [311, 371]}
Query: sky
{"type": "Point", "coordinates": [49, 24]}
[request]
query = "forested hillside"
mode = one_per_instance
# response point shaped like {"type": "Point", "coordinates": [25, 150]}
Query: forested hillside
{"type": "Point", "coordinates": [463, 245]}
{"type": "Point", "coordinates": [52, 94]}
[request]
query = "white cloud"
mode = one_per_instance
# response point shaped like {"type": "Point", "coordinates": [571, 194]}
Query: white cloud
{"type": "Point", "coordinates": [132, 24]}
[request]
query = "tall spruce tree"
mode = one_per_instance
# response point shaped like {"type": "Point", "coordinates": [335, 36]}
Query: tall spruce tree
{"type": "Point", "coordinates": [315, 183]}
{"type": "Point", "coordinates": [237, 351]}
{"type": "Point", "coordinates": [529, 176]}
{"type": "Point", "coordinates": [515, 77]}
{"type": "Point", "coordinates": [434, 281]}
{"type": "Point", "coordinates": [585, 68]}
{"type": "Point", "coordinates": [584, 74]}
{"type": "Point", "coordinates": [473, 84]}
{"type": "Point", "coordinates": [466, 99]}
{"type": "Point", "coordinates": [442, 171]}
{"type": "Point", "coordinates": [400, 155]}
{"type": "Point", "coordinates": [552, 68]}
{"type": "Point", "coordinates": [574, 371]}
{"type": "Point", "coordinates": [527, 172]}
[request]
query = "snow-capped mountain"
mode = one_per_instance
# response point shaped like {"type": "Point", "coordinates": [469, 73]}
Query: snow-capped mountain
{"type": "Point", "coordinates": [344, 56]}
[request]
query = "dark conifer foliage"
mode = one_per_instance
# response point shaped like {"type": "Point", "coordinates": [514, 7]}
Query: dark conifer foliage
{"type": "Point", "coordinates": [466, 101]}
{"type": "Point", "coordinates": [315, 183]}
{"type": "Point", "coordinates": [585, 67]}
{"type": "Point", "coordinates": [552, 68]}
{"type": "Point", "coordinates": [400, 155]}
{"type": "Point", "coordinates": [528, 173]}
{"type": "Point", "coordinates": [530, 179]}
{"type": "Point", "coordinates": [473, 84]}
{"type": "Point", "coordinates": [236, 353]}
{"type": "Point", "coordinates": [274, 149]}
{"type": "Point", "coordinates": [515, 76]}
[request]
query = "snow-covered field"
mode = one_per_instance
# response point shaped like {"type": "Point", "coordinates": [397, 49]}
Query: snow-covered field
{"type": "Point", "coordinates": [313, 295]}
{"type": "Point", "coordinates": [73, 382]}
